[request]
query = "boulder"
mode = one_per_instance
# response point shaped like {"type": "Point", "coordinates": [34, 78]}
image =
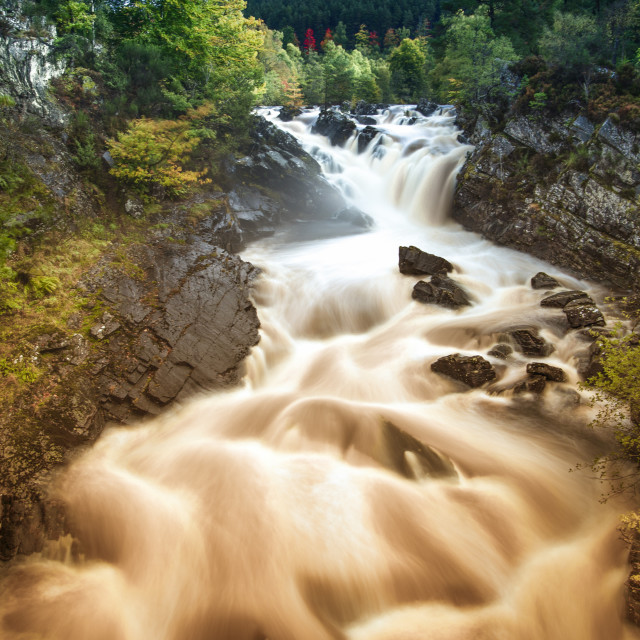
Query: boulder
{"type": "Point", "coordinates": [554, 374]}
{"type": "Point", "coordinates": [559, 300]}
{"type": "Point", "coordinates": [440, 290]}
{"type": "Point", "coordinates": [365, 137]}
{"type": "Point", "coordinates": [543, 281]}
{"type": "Point", "coordinates": [501, 351]}
{"type": "Point", "coordinates": [473, 371]}
{"type": "Point", "coordinates": [366, 120]}
{"type": "Point", "coordinates": [426, 107]}
{"type": "Point", "coordinates": [415, 262]}
{"type": "Point", "coordinates": [288, 113]}
{"type": "Point", "coordinates": [532, 384]}
{"type": "Point", "coordinates": [529, 343]}
{"type": "Point", "coordinates": [354, 216]}
{"type": "Point", "coordinates": [583, 313]}
{"type": "Point", "coordinates": [363, 108]}
{"type": "Point", "coordinates": [336, 126]}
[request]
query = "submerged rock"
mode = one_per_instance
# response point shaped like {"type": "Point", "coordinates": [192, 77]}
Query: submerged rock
{"type": "Point", "coordinates": [501, 351]}
{"type": "Point", "coordinates": [288, 113]}
{"type": "Point", "coordinates": [532, 384]}
{"type": "Point", "coordinates": [415, 262]}
{"type": "Point", "coordinates": [356, 217]}
{"type": "Point", "coordinates": [440, 290]}
{"type": "Point", "coordinates": [473, 371]}
{"type": "Point", "coordinates": [426, 107]}
{"type": "Point", "coordinates": [365, 137]}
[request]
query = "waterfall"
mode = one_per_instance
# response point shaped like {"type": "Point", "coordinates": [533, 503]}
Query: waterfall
{"type": "Point", "coordinates": [347, 491]}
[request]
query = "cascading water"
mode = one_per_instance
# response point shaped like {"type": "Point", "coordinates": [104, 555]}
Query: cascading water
{"type": "Point", "coordinates": [347, 491]}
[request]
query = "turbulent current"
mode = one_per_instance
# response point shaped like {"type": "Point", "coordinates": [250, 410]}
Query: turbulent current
{"type": "Point", "coordinates": [347, 491]}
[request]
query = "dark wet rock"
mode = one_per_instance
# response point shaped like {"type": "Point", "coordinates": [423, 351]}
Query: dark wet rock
{"type": "Point", "coordinates": [354, 216]}
{"type": "Point", "coordinates": [365, 137]}
{"type": "Point", "coordinates": [583, 313]}
{"type": "Point", "coordinates": [441, 290]}
{"type": "Point", "coordinates": [559, 300]}
{"type": "Point", "coordinates": [336, 126]}
{"type": "Point", "coordinates": [426, 107]}
{"type": "Point", "coordinates": [288, 113]}
{"type": "Point", "coordinates": [529, 343]}
{"type": "Point", "coordinates": [501, 351]}
{"type": "Point", "coordinates": [415, 262]}
{"type": "Point", "coordinates": [363, 108]}
{"type": "Point", "coordinates": [473, 371]}
{"type": "Point", "coordinates": [543, 280]}
{"type": "Point", "coordinates": [582, 218]}
{"type": "Point", "coordinates": [366, 120]}
{"type": "Point", "coordinates": [532, 384]}
{"type": "Point", "coordinates": [555, 374]}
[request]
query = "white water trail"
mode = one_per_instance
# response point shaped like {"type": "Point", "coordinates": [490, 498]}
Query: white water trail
{"type": "Point", "coordinates": [348, 492]}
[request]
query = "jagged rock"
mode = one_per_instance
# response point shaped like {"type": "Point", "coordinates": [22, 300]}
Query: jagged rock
{"type": "Point", "coordinates": [529, 343]}
{"type": "Point", "coordinates": [52, 342]}
{"type": "Point", "coordinates": [363, 108]}
{"type": "Point", "coordinates": [473, 371]}
{"type": "Point", "coordinates": [255, 214]}
{"type": "Point", "coordinates": [543, 281]}
{"type": "Point", "coordinates": [415, 262]}
{"type": "Point", "coordinates": [288, 113]}
{"type": "Point", "coordinates": [107, 325]}
{"type": "Point", "coordinates": [559, 300]}
{"type": "Point", "coordinates": [365, 137]}
{"type": "Point", "coordinates": [336, 126]}
{"type": "Point", "coordinates": [354, 216]}
{"type": "Point", "coordinates": [501, 351]}
{"type": "Point", "coordinates": [366, 120]}
{"type": "Point", "coordinates": [583, 313]}
{"type": "Point", "coordinates": [134, 208]}
{"type": "Point", "coordinates": [440, 290]}
{"type": "Point", "coordinates": [532, 384]}
{"type": "Point", "coordinates": [555, 374]}
{"type": "Point", "coordinates": [426, 107]}
{"type": "Point", "coordinates": [285, 175]}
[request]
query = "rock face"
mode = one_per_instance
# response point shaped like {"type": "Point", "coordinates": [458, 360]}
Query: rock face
{"type": "Point", "coordinates": [336, 126]}
{"type": "Point", "coordinates": [415, 262]}
{"type": "Point", "coordinates": [560, 189]}
{"type": "Point", "coordinates": [276, 181]}
{"type": "Point", "coordinates": [441, 290]}
{"type": "Point", "coordinates": [366, 136]}
{"type": "Point", "coordinates": [473, 371]}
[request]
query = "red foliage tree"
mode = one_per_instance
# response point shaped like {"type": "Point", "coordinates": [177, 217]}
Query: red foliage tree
{"type": "Point", "coordinates": [309, 41]}
{"type": "Point", "coordinates": [327, 36]}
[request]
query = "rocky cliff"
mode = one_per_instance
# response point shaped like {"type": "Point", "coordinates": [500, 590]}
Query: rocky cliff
{"type": "Point", "coordinates": [561, 188]}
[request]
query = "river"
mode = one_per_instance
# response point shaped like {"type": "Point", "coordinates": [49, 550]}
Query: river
{"type": "Point", "coordinates": [347, 491]}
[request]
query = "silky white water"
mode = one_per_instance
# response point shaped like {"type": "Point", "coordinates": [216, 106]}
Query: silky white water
{"type": "Point", "coordinates": [347, 491]}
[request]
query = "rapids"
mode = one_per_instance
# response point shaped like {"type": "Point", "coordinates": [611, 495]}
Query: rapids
{"type": "Point", "coordinates": [347, 491]}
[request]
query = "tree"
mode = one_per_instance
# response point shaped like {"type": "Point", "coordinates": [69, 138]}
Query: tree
{"type": "Point", "coordinates": [327, 36]}
{"type": "Point", "coordinates": [309, 41]}
{"type": "Point", "coordinates": [338, 74]}
{"type": "Point", "coordinates": [571, 42]}
{"type": "Point", "coordinates": [340, 34]}
{"type": "Point", "coordinates": [474, 60]}
{"type": "Point", "coordinates": [408, 73]}
{"type": "Point", "coordinates": [154, 152]}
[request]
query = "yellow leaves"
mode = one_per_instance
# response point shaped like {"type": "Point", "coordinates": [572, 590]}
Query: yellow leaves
{"type": "Point", "coordinates": [155, 152]}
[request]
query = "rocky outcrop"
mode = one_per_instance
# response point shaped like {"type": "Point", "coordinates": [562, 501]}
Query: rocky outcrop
{"type": "Point", "coordinates": [275, 181]}
{"type": "Point", "coordinates": [27, 65]}
{"type": "Point", "coordinates": [335, 125]}
{"type": "Point", "coordinates": [473, 371]}
{"type": "Point", "coordinates": [561, 189]}
{"type": "Point", "coordinates": [543, 280]}
{"type": "Point", "coordinates": [528, 342]}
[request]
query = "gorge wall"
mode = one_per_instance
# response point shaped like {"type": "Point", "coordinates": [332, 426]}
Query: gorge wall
{"type": "Point", "coordinates": [560, 188]}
